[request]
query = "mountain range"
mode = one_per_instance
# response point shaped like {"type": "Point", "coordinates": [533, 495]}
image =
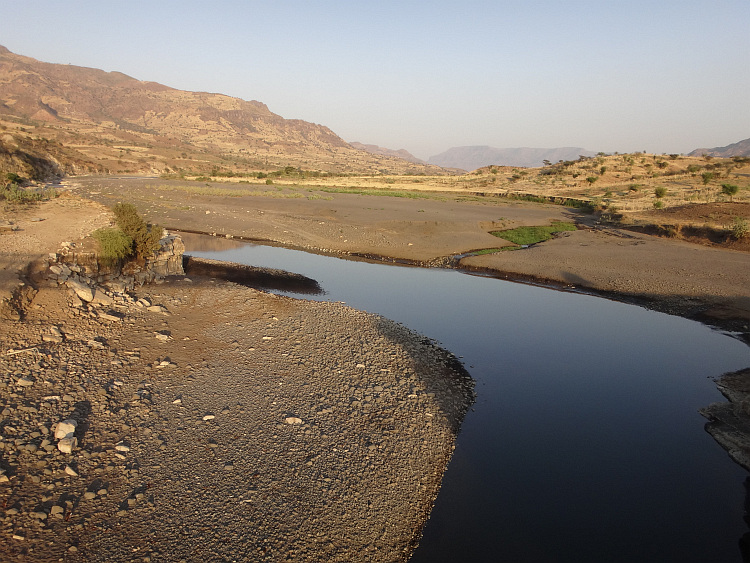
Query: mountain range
{"type": "Point", "coordinates": [115, 123]}
{"type": "Point", "coordinates": [741, 148]}
{"type": "Point", "coordinates": [473, 157]}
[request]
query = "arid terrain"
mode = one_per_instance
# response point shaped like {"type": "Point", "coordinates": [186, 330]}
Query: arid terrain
{"type": "Point", "coordinates": [177, 383]}
{"type": "Point", "coordinates": [218, 422]}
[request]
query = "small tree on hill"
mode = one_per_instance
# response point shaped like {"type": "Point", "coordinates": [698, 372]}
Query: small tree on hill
{"type": "Point", "coordinates": [730, 190]}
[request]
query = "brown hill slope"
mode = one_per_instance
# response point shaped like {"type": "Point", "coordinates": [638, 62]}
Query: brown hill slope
{"type": "Point", "coordinates": [122, 124]}
{"type": "Point", "coordinates": [741, 148]}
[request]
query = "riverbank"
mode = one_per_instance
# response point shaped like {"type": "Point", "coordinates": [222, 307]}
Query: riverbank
{"type": "Point", "coordinates": [215, 421]}
{"type": "Point", "coordinates": [704, 283]}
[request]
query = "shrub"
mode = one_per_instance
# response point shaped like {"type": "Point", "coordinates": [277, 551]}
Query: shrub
{"type": "Point", "coordinates": [660, 191]}
{"type": "Point", "coordinates": [145, 236]}
{"type": "Point", "coordinates": [658, 204]}
{"type": "Point", "coordinates": [591, 179]}
{"type": "Point", "coordinates": [13, 178]}
{"type": "Point", "coordinates": [693, 168]}
{"type": "Point", "coordinates": [707, 177]}
{"type": "Point", "coordinates": [269, 181]}
{"type": "Point", "coordinates": [740, 228]}
{"type": "Point", "coordinates": [730, 190]}
{"type": "Point", "coordinates": [114, 245]}
{"type": "Point", "coordinates": [14, 194]}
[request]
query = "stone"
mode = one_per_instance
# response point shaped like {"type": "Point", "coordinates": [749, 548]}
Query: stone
{"type": "Point", "coordinates": [209, 417]}
{"type": "Point", "coordinates": [67, 444]}
{"type": "Point", "coordinates": [158, 309]}
{"type": "Point", "coordinates": [26, 381]}
{"type": "Point", "coordinates": [121, 447]}
{"type": "Point", "coordinates": [293, 420]}
{"type": "Point", "coordinates": [101, 298]}
{"type": "Point", "coordinates": [70, 471]}
{"type": "Point", "coordinates": [57, 511]}
{"type": "Point", "coordinates": [66, 428]}
{"type": "Point", "coordinates": [89, 495]}
{"type": "Point", "coordinates": [83, 291]}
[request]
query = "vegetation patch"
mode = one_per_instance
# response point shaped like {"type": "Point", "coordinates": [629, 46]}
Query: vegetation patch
{"type": "Point", "coordinates": [114, 245]}
{"type": "Point", "coordinates": [145, 236]}
{"type": "Point", "coordinates": [380, 192]}
{"type": "Point", "coordinates": [525, 236]}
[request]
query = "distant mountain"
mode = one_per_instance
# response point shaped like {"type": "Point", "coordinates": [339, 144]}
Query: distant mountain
{"type": "Point", "coordinates": [400, 153]}
{"type": "Point", "coordinates": [471, 158]}
{"type": "Point", "coordinates": [121, 124]}
{"type": "Point", "coordinates": [741, 148]}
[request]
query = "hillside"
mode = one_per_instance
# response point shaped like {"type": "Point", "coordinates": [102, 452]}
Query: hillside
{"type": "Point", "coordinates": [375, 149]}
{"type": "Point", "coordinates": [741, 148]}
{"type": "Point", "coordinates": [120, 124]}
{"type": "Point", "coordinates": [473, 157]}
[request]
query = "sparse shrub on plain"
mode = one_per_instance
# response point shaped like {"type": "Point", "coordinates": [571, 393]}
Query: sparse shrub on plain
{"type": "Point", "coordinates": [592, 179]}
{"type": "Point", "coordinates": [145, 236]}
{"type": "Point", "coordinates": [660, 191]}
{"type": "Point", "coordinates": [658, 204]}
{"type": "Point", "coordinates": [740, 228]}
{"type": "Point", "coordinates": [707, 177]}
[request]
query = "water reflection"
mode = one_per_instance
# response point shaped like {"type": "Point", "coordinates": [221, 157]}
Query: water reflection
{"type": "Point", "coordinates": [585, 443]}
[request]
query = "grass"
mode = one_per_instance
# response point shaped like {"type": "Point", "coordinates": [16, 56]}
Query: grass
{"type": "Point", "coordinates": [231, 192]}
{"type": "Point", "coordinates": [489, 251]}
{"type": "Point", "coordinates": [524, 236]}
{"type": "Point", "coordinates": [379, 192]}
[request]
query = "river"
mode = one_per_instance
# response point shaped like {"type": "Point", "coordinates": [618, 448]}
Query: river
{"type": "Point", "coordinates": [585, 443]}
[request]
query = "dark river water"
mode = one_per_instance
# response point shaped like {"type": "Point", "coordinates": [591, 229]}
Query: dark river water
{"type": "Point", "coordinates": [585, 443]}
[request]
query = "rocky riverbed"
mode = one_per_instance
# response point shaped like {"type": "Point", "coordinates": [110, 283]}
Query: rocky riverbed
{"type": "Point", "coordinates": [209, 421]}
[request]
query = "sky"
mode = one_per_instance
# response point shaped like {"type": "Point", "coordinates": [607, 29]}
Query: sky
{"type": "Point", "coordinates": [664, 76]}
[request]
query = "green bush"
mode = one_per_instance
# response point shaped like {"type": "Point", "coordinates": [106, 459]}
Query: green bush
{"type": "Point", "coordinates": [707, 177]}
{"type": "Point", "coordinates": [658, 204]}
{"type": "Point", "coordinates": [145, 236]}
{"type": "Point", "coordinates": [740, 228]}
{"type": "Point", "coordinates": [660, 191]}
{"type": "Point", "coordinates": [730, 190]}
{"type": "Point", "coordinates": [114, 245]}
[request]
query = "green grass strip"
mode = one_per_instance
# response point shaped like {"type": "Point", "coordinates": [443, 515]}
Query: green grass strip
{"type": "Point", "coordinates": [524, 236]}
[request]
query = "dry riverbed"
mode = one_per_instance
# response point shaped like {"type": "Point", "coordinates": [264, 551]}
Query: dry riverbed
{"type": "Point", "coordinates": [214, 422]}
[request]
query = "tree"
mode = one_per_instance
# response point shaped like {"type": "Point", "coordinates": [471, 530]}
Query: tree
{"type": "Point", "coordinates": [730, 190]}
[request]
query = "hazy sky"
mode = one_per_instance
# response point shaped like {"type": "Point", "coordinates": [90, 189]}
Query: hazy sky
{"type": "Point", "coordinates": [605, 75]}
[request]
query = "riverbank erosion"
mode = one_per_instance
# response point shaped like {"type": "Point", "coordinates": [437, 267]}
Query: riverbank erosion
{"type": "Point", "coordinates": [197, 419]}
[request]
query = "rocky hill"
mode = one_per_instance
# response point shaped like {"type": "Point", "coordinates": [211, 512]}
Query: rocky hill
{"type": "Point", "coordinates": [473, 157]}
{"type": "Point", "coordinates": [121, 124]}
{"type": "Point", "coordinates": [400, 153]}
{"type": "Point", "coordinates": [741, 148]}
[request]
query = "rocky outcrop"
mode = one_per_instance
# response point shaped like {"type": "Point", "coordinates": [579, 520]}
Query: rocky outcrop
{"type": "Point", "coordinates": [81, 270]}
{"type": "Point", "coordinates": [167, 260]}
{"type": "Point", "coordinates": [729, 423]}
